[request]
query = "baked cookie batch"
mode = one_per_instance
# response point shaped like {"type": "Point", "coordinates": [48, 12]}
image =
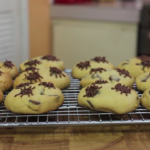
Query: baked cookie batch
{"type": "Point", "coordinates": [37, 89]}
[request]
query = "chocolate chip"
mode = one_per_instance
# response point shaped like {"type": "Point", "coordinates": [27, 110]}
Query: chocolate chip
{"type": "Point", "coordinates": [35, 102]}
{"type": "Point", "coordinates": [96, 76]}
{"type": "Point", "coordinates": [90, 103]}
{"type": "Point", "coordinates": [114, 78]}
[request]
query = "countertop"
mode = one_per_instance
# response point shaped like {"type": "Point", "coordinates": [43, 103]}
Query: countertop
{"type": "Point", "coordinates": [61, 138]}
{"type": "Point", "coordinates": [116, 11]}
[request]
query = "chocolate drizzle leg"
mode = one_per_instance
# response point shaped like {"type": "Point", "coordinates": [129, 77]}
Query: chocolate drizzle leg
{"type": "Point", "coordinates": [32, 62]}
{"type": "Point", "coordinates": [50, 58]}
{"type": "Point", "coordinates": [95, 70]}
{"type": "Point", "coordinates": [56, 71]}
{"type": "Point", "coordinates": [47, 84]}
{"type": "Point", "coordinates": [8, 64]}
{"type": "Point", "coordinates": [33, 76]}
{"type": "Point", "coordinates": [122, 89]}
{"type": "Point", "coordinates": [100, 59]}
{"type": "Point", "coordinates": [124, 72]}
{"type": "Point", "coordinates": [25, 91]}
{"type": "Point", "coordinates": [83, 65]}
{"type": "Point", "coordinates": [91, 91]}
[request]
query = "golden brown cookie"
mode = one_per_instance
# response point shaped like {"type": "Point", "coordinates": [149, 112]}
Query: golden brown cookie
{"type": "Point", "coordinates": [136, 66]}
{"type": "Point", "coordinates": [1, 96]}
{"type": "Point", "coordinates": [109, 98]}
{"type": "Point", "coordinates": [145, 99]}
{"type": "Point", "coordinates": [10, 68]}
{"type": "Point", "coordinates": [81, 69]}
{"type": "Point", "coordinates": [59, 78]}
{"type": "Point", "coordinates": [43, 62]}
{"type": "Point", "coordinates": [34, 99]}
{"type": "Point", "coordinates": [143, 81]}
{"type": "Point", "coordinates": [113, 76]}
{"type": "Point", "coordinates": [5, 81]}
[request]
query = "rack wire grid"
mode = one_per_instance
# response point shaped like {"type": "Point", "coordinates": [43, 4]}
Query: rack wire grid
{"type": "Point", "coordinates": [70, 113]}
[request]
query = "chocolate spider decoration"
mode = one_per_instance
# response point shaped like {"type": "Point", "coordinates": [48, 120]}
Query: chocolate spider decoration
{"type": "Point", "coordinates": [32, 62]}
{"type": "Point", "coordinates": [50, 58]}
{"type": "Point", "coordinates": [100, 59]}
{"type": "Point", "coordinates": [56, 72]}
{"type": "Point", "coordinates": [145, 61]}
{"type": "Point", "coordinates": [95, 70]}
{"type": "Point", "coordinates": [83, 65]}
{"type": "Point", "coordinates": [91, 90]}
{"type": "Point", "coordinates": [8, 64]}
{"type": "Point", "coordinates": [25, 91]}
{"type": "Point", "coordinates": [122, 89]}
{"type": "Point", "coordinates": [33, 76]}
{"type": "Point", "coordinates": [100, 82]}
{"type": "Point", "coordinates": [22, 85]}
{"type": "Point", "coordinates": [47, 84]}
{"type": "Point", "coordinates": [124, 72]}
{"type": "Point", "coordinates": [30, 68]}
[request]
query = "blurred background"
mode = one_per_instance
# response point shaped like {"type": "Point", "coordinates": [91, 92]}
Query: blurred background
{"type": "Point", "coordinates": [74, 30]}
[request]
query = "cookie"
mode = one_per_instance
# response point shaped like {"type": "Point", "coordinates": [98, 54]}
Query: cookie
{"type": "Point", "coordinates": [5, 81]}
{"type": "Point", "coordinates": [43, 62]}
{"type": "Point", "coordinates": [1, 96]}
{"type": "Point", "coordinates": [81, 69]}
{"type": "Point", "coordinates": [136, 66]}
{"type": "Point", "coordinates": [10, 68]}
{"type": "Point", "coordinates": [109, 98]}
{"type": "Point", "coordinates": [145, 99]}
{"type": "Point", "coordinates": [143, 81]}
{"type": "Point", "coordinates": [112, 76]}
{"type": "Point", "coordinates": [34, 98]}
{"type": "Point", "coordinates": [59, 78]}
{"type": "Point", "coordinates": [101, 62]}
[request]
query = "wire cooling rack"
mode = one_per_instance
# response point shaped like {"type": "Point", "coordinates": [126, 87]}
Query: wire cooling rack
{"type": "Point", "coordinates": [70, 113]}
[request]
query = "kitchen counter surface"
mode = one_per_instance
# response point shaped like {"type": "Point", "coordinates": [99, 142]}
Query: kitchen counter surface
{"type": "Point", "coordinates": [116, 11]}
{"type": "Point", "coordinates": [61, 138]}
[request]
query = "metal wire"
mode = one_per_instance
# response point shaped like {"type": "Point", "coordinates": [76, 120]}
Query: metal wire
{"type": "Point", "coordinates": [70, 113]}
